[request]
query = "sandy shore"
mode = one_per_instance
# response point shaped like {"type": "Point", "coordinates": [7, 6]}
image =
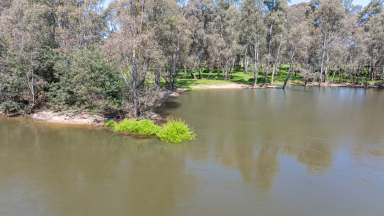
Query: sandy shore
{"type": "Point", "coordinates": [70, 118]}
{"type": "Point", "coordinates": [221, 86]}
{"type": "Point", "coordinates": [232, 86]}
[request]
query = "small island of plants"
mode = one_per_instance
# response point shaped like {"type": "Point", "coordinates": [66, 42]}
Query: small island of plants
{"type": "Point", "coordinates": [173, 132]}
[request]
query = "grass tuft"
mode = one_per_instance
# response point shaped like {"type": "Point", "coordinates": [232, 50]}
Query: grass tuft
{"type": "Point", "coordinates": [135, 127]}
{"type": "Point", "coordinates": [175, 131]}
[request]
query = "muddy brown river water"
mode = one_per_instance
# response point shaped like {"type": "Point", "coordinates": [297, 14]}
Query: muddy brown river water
{"type": "Point", "coordinates": [266, 152]}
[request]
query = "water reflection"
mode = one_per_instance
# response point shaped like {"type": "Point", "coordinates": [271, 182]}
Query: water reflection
{"type": "Point", "coordinates": [317, 156]}
{"type": "Point", "coordinates": [250, 130]}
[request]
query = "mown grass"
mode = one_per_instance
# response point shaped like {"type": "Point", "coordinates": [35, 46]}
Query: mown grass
{"type": "Point", "coordinates": [173, 132]}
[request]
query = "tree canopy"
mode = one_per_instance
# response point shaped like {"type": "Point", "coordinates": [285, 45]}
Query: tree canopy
{"type": "Point", "coordinates": [75, 54]}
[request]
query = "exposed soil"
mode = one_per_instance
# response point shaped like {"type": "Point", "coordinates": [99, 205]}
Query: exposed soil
{"type": "Point", "coordinates": [72, 118]}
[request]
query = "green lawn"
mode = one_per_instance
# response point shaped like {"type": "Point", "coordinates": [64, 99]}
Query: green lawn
{"type": "Point", "coordinates": [215, 78]}
{"type": "Point", "coordinates": [195, 79]}
{"type": "Point", "coordinates": [192, 83]}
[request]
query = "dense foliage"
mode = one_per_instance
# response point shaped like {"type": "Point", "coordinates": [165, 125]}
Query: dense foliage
{"type": "Point", "coordinates": [85, 80]}
{"type": "Point", "coordinates": [79, 55]}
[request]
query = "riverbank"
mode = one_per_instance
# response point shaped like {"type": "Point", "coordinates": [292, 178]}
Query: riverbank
{"type": "Point", "coordinates": [228, 84]}
{"type": "Point", "coordinates": [92, 119]}
{"type": "Point", "coordinates": [86, 118]}
{"type": "Point", "coordinates": [345, 85]}
{"type": "Point", "coordinates": [68, 117]}
{"type": "Point", "coordinates": [220, 86]}
{"type": "Point", "coordinates": [74, 118]}
{"type": "Point", "coordinates": [59, 118]}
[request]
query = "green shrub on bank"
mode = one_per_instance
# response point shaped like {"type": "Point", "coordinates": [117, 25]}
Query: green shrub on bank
{"type": "Point", "coordinates": [85, 80]}
{"type": "Point", "coordinates": [175, 131]}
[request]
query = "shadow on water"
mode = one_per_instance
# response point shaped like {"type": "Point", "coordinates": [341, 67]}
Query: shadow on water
{"type": "Point", "coordinates": [166, 109]}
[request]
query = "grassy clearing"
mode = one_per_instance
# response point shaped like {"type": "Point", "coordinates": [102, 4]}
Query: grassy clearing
{"type": "Point", "coordinates": [194, 83]}
{"type": "Point", "coordinates": [173, 132]}
{"type": "Point", "coordinates": [191, 80]}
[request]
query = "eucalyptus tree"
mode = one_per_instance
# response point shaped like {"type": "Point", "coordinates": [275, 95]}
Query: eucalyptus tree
{"type": "Point", "coordinates": [329, 21]}
{"type": "Point", "coordinates": [297, 40]}
{"type": "Point", "coordinates": [135, 51]}
{"type": "Point", "coordinates": [172, 35]}
{"type": "Point", "coordinates": [50, 48]}
{"type": "Point", "coordinates": [81, 76]}
{"type": "Point", "coordinates": [252, 33]}
{"type": "Point", "coordinates": [374, 8]}
{"type": "Point", "coordinates": [200, 16]}
{"type": "Point", "coordinates": [25, 33]}
{"type": "Point", "coordinates": [78, 23]}
{"type": "Point", "coordinates": [348, 51]}
{"type": "Point", "coordinates": [375, 44]}
{"type": "Point", "coordinates": [275, 21]}
{"type": "Point", "coordinates": [370, 21]}
{"type": "Point", "coordinates": [222, 39]}
{"type": "Point", "coordinates": [36, 34]}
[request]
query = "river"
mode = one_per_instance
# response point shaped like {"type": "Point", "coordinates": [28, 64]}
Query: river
{"type": "Point", "coordinates": [298, 152]}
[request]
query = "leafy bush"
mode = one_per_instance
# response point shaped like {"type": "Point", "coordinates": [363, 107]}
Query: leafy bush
{"type": "Point", "coordinates": [84, 79]}
{"type": "Point", "coordinates": [135, 127]}
{"type": "Point", "coordinates": [175, 131]}
{"type": "Point", "coordinates": [10, 107]}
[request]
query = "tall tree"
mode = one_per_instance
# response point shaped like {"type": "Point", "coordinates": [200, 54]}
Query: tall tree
{"type": "Point", "coordinates": [26, 34]}
{"type": "Point", "coordinates": [275, 22]}
{"type": "Point", "coordinates": [172, 35]}
{"type": "Point", "coordinates": [374, 7]}
{"type": "Point", "coordinates": [329, 21]}
{"type": "Point", "coordinates": [222, 38]}
{"type": "Point", "coordinates": [134, 49]}
{"type": "Point", "coordinates": [375, 44]}
{"type": "Point", "coordinates": [252, 33]}
{"type": "Point", "coordinates": [297, 40]}
{"type": "Point", "coordinates": [200, 17]}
